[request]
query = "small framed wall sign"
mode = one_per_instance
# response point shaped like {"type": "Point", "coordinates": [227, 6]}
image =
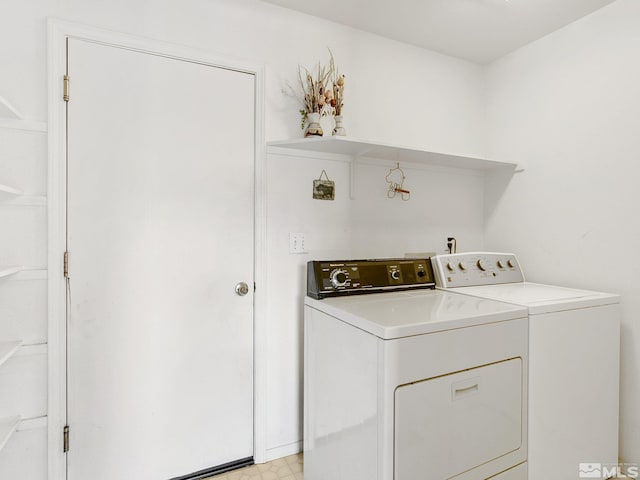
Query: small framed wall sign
{"type": "Point", "coordinates": [324, 189]}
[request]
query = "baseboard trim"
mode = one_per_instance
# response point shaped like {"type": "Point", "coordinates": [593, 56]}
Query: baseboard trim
{"type": "Point", "coordinates": [283, 451]}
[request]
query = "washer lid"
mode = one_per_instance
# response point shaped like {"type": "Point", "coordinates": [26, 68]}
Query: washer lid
{"type": "Point", "coordinates": [540, 298]}
{"type": "Point", "coordinates": [403, 314]}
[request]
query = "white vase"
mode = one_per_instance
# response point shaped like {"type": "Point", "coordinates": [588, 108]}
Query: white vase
{"type": "Point", "coordinates": [339, 129]}
{"type": "Point", "coordinates": [313, 125]}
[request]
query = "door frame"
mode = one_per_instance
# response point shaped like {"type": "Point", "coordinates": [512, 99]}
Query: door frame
{"type": "Point", "coordinates": [58, 32]}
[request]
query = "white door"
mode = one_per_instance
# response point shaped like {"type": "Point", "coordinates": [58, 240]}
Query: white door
{"type": "Point", "coordinates": [160, 231]}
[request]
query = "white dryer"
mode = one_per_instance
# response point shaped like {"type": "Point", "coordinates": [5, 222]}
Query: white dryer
{"type": "Point", "coordinates": [574, 352]}
{"type": "Point", "coordinates": [410, 382]}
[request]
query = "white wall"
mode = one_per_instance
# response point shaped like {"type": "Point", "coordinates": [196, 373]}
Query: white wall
{"type": "Point", "coordinates": [567, 107]}
{"type": "Point", "coordinates": [394, 93]}
{"type": "Point", "coordinates": [291, 208]}
{"type": "Point", "coordinates": [443, 202]}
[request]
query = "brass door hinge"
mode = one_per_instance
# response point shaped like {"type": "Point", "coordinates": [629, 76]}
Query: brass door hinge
{"type": "Point", "coordinates": [66, 265]}
{"type": "Point", "coordinates": [65, 439]}
{"type": "Point", "coordinates": [65, 90]}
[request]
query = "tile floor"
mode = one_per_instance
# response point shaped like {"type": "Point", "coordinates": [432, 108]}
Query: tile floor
{"type": "Point", "coordinates": [287, 468]}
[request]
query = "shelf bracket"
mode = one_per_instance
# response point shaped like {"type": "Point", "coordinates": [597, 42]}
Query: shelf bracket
{"type": "Point", "coordinates": [353, 170]}
{"type": "Point", "coordinates": [8, 349]}
{"type": "Point", "coordinates": [7, 428]}
{"type": "Point", "coordinates": [10, 270]}
{"type": "Point", "coordinates": [9, 111]}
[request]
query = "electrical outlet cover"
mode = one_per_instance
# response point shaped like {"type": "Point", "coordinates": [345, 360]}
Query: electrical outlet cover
{"type": "Point", "coordinates": [297, 243]}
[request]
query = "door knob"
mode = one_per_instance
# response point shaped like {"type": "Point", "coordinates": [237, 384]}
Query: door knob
{"type": "Point", "coordinates": [242, 289]}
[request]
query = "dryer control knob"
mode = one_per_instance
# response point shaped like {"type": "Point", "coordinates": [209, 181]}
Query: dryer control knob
{"type": "Point", "coordinates": [395, 274]}
{"type": "Point", "coordinates": [462, 266]}
{"type": "Point", "coordinates": [481, 265]}
{"type": "Point", "coordinates": [451, 266]}
{"type": "Point", "coordinates": [338, 278]}
{"type": "Point", "coordinates": [511, 263]}
{"type": "Point", "coordinates": [500, 264]}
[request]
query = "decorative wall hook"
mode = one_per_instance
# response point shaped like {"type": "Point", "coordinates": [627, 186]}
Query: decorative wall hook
{"type": "Point", "coordinates": [395, 178]}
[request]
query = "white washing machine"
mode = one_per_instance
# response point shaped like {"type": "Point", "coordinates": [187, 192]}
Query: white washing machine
{"type": "Point", "coordinates": [574, 357]}
{"type": "Point", "coordinates": [405, 382]}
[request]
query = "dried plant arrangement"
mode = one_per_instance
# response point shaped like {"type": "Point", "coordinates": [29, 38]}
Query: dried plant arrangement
{"type": "Point", "coordinates": [336, 94]}
{"type": "Point", "coordinates": [311, 94]}
{"type": "Point", "coordinates": [336, 97]}
{"type": "Point", "coordinates": [320, 92]}
{"type": "Point", "coordinates": [313, 89]}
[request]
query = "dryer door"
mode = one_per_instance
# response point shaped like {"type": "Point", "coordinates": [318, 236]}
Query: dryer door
{"type": "Point", "coordinates": [451, 424]}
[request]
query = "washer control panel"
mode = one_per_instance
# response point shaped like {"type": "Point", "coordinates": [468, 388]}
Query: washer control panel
{"type": "Point", "coordinates": [476, 268]}
{"type": "Point", "coordinates": [334, 278]}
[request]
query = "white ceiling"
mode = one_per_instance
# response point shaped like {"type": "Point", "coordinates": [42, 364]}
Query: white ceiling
{"type": "Point", "coordinates": [476, 30]}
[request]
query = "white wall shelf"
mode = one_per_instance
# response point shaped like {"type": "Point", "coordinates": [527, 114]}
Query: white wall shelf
{"type": "Point", "coordinates": [8, 425]}
{"type": "Point", "coordinates": [33, 349]}
{"type": "Point", "coordinates": [26, 200]}
{"type": "Point", "coordinates": [354, 147]}
{"type": "Point", "coordinates": [28, 125]}
{"type": "Point", "coordinates": [7, 349]}
{"type": "Point", "coordinates": [14, 196]}
{"type": "Point", "coordinates": [10, 117]}
{"type": "Point", "coordinates": [5, 271]}
{"type": "Point", "coordinates": [31, 423]}
{"type": "Point", "coordinates": [8, 192]}
{"type": "Point", "coordinates": [8, 111]}
{"type": "Point", "coordinates": [27, 273]}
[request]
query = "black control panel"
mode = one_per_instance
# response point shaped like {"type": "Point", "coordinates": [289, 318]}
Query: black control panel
{"type": "Point", "coordinates": [332, 278]}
